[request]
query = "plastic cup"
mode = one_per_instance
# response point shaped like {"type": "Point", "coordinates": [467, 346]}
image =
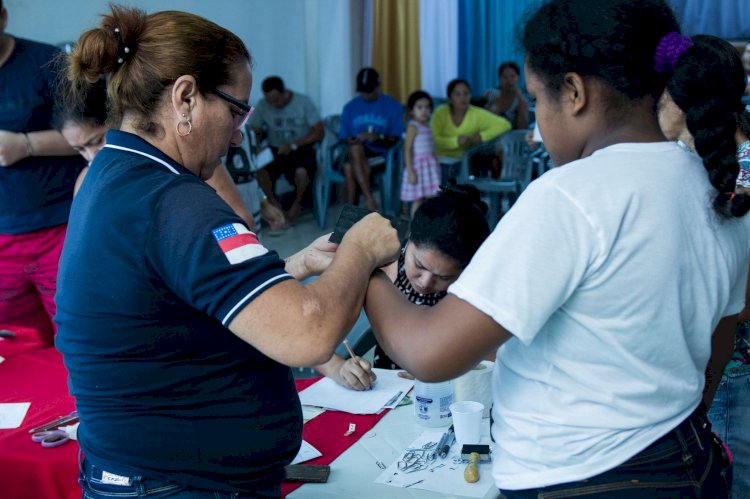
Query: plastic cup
{"type": "Point", "coordinates": [467, 421]}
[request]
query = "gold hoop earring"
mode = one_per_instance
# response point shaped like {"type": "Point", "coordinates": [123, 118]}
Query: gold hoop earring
{"type": "Point", "coordinates": [189, 127]}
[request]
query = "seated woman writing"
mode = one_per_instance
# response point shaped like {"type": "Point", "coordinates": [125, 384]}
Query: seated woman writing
{"type": "Point", "coordinates": [445, 233]}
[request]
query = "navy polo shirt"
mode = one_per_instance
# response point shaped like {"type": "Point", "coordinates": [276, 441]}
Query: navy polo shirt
{"type": "Point", "coordinates": [35, 192]}
{"type": "Point", "coordinates": [154, 266]}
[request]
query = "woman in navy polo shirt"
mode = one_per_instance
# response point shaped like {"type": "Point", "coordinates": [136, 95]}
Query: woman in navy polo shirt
{"type": "Point", "coordinates": [176, 325]}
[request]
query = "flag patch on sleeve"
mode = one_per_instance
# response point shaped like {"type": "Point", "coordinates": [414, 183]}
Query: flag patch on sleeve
{"type": "Point", "coordinates": [237, 243]}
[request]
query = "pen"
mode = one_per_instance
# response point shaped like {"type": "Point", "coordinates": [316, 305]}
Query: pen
{"type": "Point", "coordinates": [348, 348]}
{"type": "Point", "coordinates": [445, 442]}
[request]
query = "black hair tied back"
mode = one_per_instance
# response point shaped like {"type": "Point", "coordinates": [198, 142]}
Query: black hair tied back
{"type": "Point", "coordinates": [465, 193]}
{"type": "Point", "coordinates": [453, 222]}
{"type": "Point", "coordinates": [711, 113]}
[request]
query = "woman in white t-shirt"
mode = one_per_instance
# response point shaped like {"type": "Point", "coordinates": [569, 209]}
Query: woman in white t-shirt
{"type": "Point", "coordinates": [604, 286]}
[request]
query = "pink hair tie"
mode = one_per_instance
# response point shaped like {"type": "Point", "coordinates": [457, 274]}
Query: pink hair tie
{"type": "Point", "coordinates": [670, 48]}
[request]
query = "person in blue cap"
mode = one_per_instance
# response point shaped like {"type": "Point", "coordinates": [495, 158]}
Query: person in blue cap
{"type": "Point", "coordinates": [371, 123]}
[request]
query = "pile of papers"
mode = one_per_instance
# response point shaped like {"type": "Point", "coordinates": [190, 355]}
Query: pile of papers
{"type": "Point", "coordinates": [386, 393]}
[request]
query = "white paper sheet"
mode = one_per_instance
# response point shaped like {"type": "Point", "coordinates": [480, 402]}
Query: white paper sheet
{"type": "Point", "coordinates": [445, 476]}
{"type": "Point", "coordinates": [306, 452]}
{"type": "Point", "coordinates": [387, 388]}
{"type": "Point", "coordinates": [12, 414]}
{"type": "Point", "coordinates": [309, 412]}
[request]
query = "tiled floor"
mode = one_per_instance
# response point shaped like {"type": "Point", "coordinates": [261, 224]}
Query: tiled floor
{"type": "Point", "coordinates": [300, 234]}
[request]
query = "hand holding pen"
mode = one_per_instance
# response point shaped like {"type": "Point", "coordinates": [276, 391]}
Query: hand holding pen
{"type": "Point", "coordinates": [356, 371]}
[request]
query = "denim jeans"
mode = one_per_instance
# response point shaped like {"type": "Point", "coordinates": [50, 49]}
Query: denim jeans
{"type": "Point", "coordinates": [100, 484]}
{"type": "Point", "coordinates": [730, 418]}
{"type": "Point", "coordinates": [688, 462]}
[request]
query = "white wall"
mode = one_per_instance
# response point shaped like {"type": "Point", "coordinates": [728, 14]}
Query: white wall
{"type": "Point", "coordinates": [314, 45]}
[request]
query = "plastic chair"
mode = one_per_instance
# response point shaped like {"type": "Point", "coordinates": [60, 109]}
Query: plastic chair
{"type": "Point", "coordinates": [514, 177]}
{"type": "Point", "coordinates": [332, 154]}
{"type": "Point", "coordinates": [451, 168]}
{"type": "Point", "coordinates": [541, 161]}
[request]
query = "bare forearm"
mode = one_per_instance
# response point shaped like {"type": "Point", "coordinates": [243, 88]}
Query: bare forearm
{"type": "Point", "coordinates": [341, 288]}
{"type": "Point", "coordinates": [430, 342]}
{"type": "Point", "coordinates": [302, 325]}
{"type": "Point", "coordinates": [49, 143]}
{"type": "Point", "coordinates": [314, 135]}
{"type": "Point", "coordinates": [332, 368]}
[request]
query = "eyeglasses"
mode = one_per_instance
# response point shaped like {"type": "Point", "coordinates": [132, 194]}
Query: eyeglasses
{"type": "Point", "coordinates": [240, 120]}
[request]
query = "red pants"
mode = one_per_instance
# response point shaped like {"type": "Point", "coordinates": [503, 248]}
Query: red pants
{"type": "Point", "coordinates": [28, 279]}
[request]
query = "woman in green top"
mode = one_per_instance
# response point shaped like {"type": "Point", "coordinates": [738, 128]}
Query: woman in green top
{"type": "Point", "coordinates": [457, 125]}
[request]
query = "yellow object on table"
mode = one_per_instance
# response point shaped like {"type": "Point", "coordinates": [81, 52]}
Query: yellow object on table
{"type": "Point", "coordinates": [471, 473]}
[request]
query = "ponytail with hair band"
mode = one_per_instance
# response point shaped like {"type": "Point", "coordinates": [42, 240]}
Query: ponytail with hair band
{"type": "Point", "coordinates": [670, 48]}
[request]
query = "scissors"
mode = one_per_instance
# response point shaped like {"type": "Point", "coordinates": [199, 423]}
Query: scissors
{"type": "Point", "coordinates": [50, 438]}
{"type": "Point", "coordinates": [57, 422]}
{"type": "Point", "coordinates": [50, 434]}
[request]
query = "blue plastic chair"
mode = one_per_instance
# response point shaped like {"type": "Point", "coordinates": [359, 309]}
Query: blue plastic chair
{"type": "Point", "coordinates": [332, 155]}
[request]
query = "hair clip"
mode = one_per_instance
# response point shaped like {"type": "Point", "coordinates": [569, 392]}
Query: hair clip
{"type": "Point", "coordinates": [670, 48]}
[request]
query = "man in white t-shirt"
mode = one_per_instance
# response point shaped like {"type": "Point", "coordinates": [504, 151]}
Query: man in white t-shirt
{"type": "Point", "coordinates": [293, 126]}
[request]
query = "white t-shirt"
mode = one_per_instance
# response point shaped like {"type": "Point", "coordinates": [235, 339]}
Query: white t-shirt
{"type": "Point", "coordinates": [611, 273]}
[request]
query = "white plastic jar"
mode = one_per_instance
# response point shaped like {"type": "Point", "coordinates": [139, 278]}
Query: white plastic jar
{"type": "Point", "coordinates": [432, 403]}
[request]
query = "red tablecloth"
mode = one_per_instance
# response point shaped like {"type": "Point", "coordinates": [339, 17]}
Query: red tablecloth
{"type": "Point", "coordinates": [26, 339]}
{"type": "Point", "coordinates": [26, 468]}
{"type": "Point", "coordinates": [39, 376]}
{"type": "Point", "coordinates": [326, 433]}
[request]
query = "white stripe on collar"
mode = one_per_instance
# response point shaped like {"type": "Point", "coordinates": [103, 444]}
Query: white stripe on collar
{"type": "Point", "coordinates": [153, 158]}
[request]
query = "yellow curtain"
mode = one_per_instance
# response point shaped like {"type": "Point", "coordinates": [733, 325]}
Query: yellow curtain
{"type": "Point", "coordinates": [395, 46]}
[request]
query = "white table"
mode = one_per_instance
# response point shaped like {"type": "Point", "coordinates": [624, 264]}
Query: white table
{"type": "Point", "coordinates": [354, 472]}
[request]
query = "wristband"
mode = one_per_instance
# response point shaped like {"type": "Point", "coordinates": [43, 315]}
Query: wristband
{"type": "Point", "coordinates": [29, 149]}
